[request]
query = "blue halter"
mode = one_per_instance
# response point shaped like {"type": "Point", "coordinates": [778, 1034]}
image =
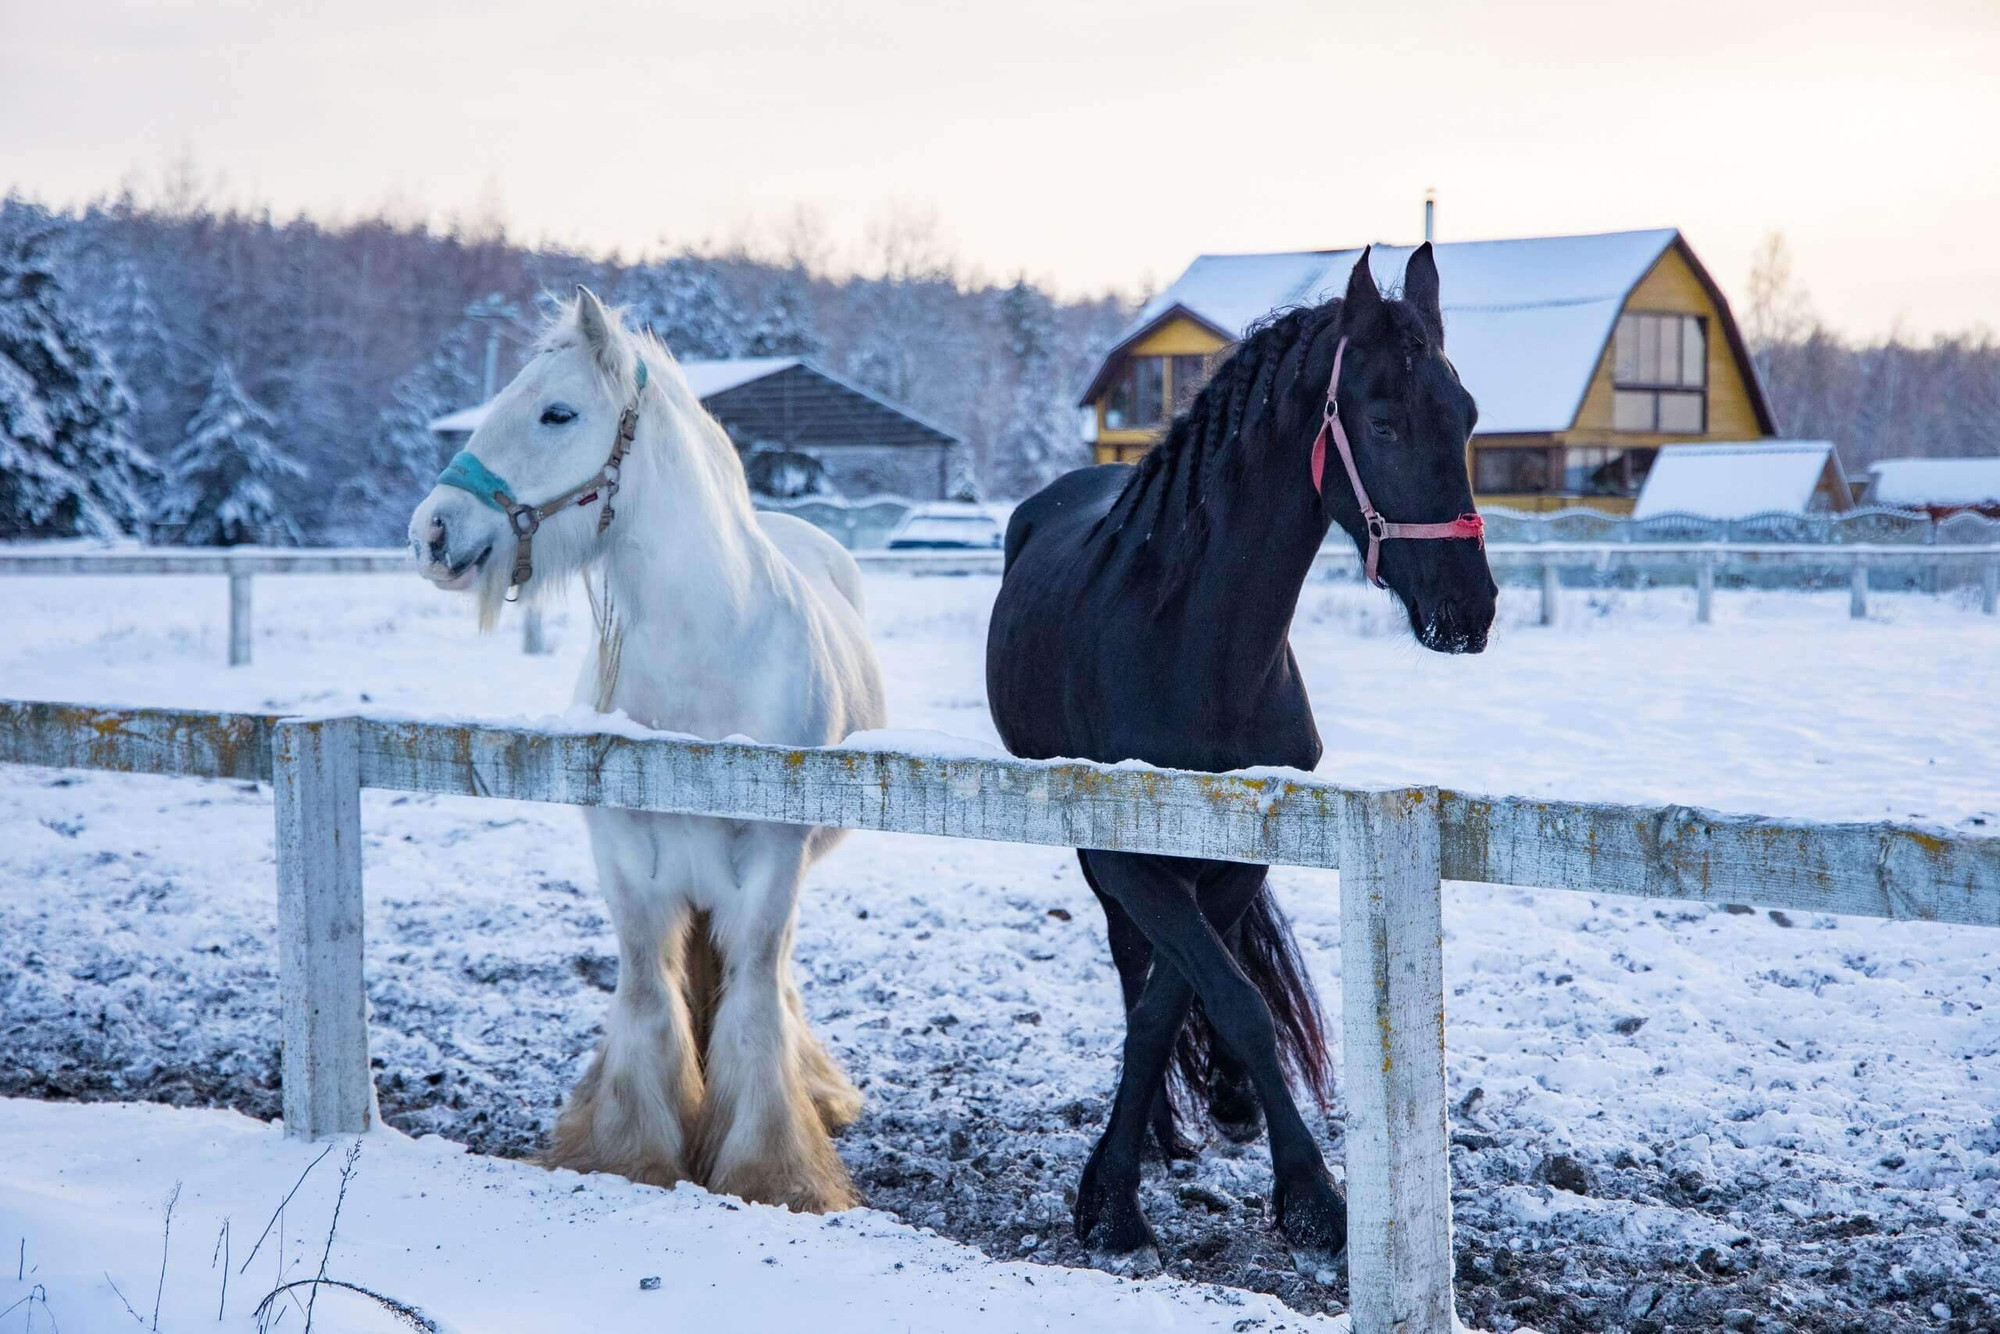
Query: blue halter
{"type": "Point", "coordinates": [468, 474]}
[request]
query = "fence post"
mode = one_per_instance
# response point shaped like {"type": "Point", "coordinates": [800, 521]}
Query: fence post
{"type": "Point", "coordinates": [1989, 585]}
{"type": "Point", "coordinates": [1551, 588]}
{"type": "Point", "coordinates": [239, 618]}
{"type": "Point", "coordinates": [322, 1006]}
{"type": "Point", "coordinates": [1704, 588]}
{"type": "Point", "coordinates": [1857, 588]}
{"type": "Point", "coordinates": [1392, 1029]}
{"type": "Point", "coordinates": [531, 631]}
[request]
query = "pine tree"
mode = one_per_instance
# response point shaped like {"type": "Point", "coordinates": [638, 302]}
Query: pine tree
{"type": "Point", "coordinates": [682, 302]}
{"type": "Point", "coordinates": [1036, 443]}
{"type": "Point", "coordinates": [69, 467]}
{"type": "Point", "coordinates": [135, 333]}
{"type": "Point", "coordinates": [224, 471]}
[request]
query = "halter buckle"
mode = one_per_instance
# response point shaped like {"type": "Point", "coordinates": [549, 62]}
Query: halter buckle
{"type": "Point", "coordinates": [1378, 527]}
{"type": "Point", "coordinates": [525, 520]}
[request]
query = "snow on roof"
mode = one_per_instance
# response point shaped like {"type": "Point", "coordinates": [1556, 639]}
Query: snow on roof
{"type": "Point", "coordinates": [705, 378]}
{"type": "Point", "coordinates": [1934, 481]}
{"type": "Point", "coordinates": [1525, 320]}
{"type": "Point", "coordinates": [1734, 481]}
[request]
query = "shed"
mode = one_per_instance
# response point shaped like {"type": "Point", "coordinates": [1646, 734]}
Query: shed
{"type": "Point", "coordinates": [1936, 484]}
{"type": "Point", "coordinates": [1742, 478]}
{"type": "Point", "coordinates": [865, 444]}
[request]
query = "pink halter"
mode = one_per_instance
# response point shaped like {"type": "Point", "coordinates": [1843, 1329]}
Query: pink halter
{"type": "Point", "coordinates": [1379, 528]}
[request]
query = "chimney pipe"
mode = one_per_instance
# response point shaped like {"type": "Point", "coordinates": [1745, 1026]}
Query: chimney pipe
{"type": "Point", "coordinates": [1430, 213]}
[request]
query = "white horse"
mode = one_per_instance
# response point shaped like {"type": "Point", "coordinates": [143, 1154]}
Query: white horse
{"type": "Point", "coordinates": [713, 620]}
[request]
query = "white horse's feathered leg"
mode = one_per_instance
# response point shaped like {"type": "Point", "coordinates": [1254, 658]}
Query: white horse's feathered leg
{"type": "Point", "coordinates": [764, 1123]}
{"type": "Point", "coordinates": [631, 1112]}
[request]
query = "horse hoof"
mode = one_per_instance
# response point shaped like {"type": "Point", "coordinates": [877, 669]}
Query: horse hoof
{"type": "Point", "coordinates": [1319, 1265]}
{"type": "Point", "coordinates": [1311, 1215]}
{"type": "Point", "coordinates": [1141, 1263]}
{"type": "Point", "coordinates": [1174, 1149]}
{"type": "Point", "coordinates": [1235, 1112]}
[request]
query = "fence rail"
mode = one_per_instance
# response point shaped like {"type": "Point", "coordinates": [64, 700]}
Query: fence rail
{"type": "Point", "coordinates": [1396, 846]}
{"type": "Point", "coordinates": [1696, 562]}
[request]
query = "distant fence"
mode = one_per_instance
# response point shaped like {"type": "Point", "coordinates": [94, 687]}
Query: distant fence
{"type": "Point", "coordinates": [1679, 561]}
{"type": "Point", "coordinates": [1394, 847]}
{"type": "Point", "coordinates": [1870, 525]}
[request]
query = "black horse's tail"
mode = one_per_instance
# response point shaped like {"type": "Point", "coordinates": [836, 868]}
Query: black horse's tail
{"type": "Point", "coordinates": [1269, 956]}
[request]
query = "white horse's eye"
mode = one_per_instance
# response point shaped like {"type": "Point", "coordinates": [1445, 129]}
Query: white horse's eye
{"type": "Point", "coordinates": [556, 414]}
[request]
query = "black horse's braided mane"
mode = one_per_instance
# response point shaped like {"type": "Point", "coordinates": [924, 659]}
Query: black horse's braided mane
{"type": "Point", "coordinates": [1205, 442]}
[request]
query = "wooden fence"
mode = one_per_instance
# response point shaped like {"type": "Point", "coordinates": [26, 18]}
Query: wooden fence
{"type": "Point", "coordinates": [1698, 562]}
{"type": "Point", "coordinates": [1395, 848]}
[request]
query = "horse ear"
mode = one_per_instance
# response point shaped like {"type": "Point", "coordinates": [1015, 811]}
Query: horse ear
{"type": "Point", "coordinates": [595, 322]}
{"type": "Point", "coordinates": [1420, 289]}
{"type": "Point", "coordinates": [1363, 297]}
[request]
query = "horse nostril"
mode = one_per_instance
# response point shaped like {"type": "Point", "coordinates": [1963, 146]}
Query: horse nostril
{"type": "Point", "coordinates": [437, 538]}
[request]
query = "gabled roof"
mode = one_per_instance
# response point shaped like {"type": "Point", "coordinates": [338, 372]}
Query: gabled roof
{"type": "Point", "coordinates": [1526, 321]}
{"type": "Point", "coordinates": [787, 400]}
{"type": "Point", "coordinates": [1934, 481]}
{"type": "Point", "coordinates": [1735, 481]}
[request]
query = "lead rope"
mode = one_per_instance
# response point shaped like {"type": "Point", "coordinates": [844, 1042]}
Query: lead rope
{"type": "Point", "coordinates": [1379, 528]}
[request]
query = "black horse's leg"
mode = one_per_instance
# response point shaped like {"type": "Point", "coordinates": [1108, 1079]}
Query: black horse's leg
{"type": "Point", "coordinates": [1132, 956]}
{"type": "Point", "coordinates": [1159, 894]}
{"type": "Point", "coordinates": [1308, 1206]}
{"type": "Point", "coordinates": [1232, 1098]}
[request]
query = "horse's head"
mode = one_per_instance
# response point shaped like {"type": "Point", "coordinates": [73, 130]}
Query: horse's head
{"type": "Point", "coordinates": [545, 445]}
{"type": "Point", "coordinates": [1407, 419]}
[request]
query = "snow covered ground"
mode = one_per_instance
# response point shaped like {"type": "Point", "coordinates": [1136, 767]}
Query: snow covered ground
{"type": "Point", "coordinates": [1795, 1120]}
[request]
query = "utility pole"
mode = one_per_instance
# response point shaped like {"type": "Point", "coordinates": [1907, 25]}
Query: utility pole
{"type": "Point", "coordinates": [1430, 214]}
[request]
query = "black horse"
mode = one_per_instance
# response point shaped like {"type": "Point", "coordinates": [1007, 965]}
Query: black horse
{"type": "Point", "coordinates": [1145, 614]}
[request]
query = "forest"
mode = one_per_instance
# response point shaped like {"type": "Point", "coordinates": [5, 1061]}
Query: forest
{"type": "Point", "coordinates": [184, 372]}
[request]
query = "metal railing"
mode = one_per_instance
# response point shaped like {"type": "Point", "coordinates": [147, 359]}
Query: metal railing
{"type": "Point", "coordinates": [1394, 849]}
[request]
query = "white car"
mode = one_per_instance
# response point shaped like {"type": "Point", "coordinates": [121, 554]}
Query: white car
{"type": "Point", "coordinates": [948, 526]}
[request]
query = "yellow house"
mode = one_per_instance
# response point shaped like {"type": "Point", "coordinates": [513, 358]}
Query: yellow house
{"type": "Point", "coordinates": [1586, 354]}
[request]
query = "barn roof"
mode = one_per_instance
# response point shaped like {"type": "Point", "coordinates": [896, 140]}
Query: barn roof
{"type": "Point", "coordinates": [1735, 481]}
{"type": "Point", "coordinates": [1526, 321]}
{"type": "Point", "coordinates": [1934, 481]}
{"type": "Point", "coordinates": [780, 400]}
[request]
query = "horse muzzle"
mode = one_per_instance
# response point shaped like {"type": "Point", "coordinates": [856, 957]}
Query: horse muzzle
{"type": "Point", "coordinates": [450, 560]}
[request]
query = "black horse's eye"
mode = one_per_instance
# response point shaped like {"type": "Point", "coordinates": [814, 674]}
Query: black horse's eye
{"type": "Point", "coordinates": [556, 414]}
{"type": "Point", "coordinates": [1382, 430]}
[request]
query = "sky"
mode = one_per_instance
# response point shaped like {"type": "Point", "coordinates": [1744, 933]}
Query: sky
{"type": "Point", "coordinates": [1091, 145]}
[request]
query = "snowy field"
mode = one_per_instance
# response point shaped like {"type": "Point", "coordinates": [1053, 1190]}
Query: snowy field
{"type": "Point", "coordinates": [1667, 1117]}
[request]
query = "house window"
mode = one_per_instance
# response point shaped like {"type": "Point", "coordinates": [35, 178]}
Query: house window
{"type": "Point", "coordinates": [1660, 374]}
{"type": "Point", "coordinates": [1138, 397]}
{"type": "Point", "coordinates": [1598, 470]}
{"type": "Point", "coordinates": [1190, 373]}
{"type": "Point", "coordinates": [1510, 471]}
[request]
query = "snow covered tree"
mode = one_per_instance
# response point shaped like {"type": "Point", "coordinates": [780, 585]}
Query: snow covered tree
{"type": "Point", "coordinates": [681, 300]}
{"type": "Point", "coordinates": [784, 327]}
{"type": "Point", "coordinates": [134, 331]}
{"type": "Point", "coordinates": [68, 467]}
{"type": "Point", "coordinates": [223, 473]}
{"type": "Point", "coordinates": [1037, 439]}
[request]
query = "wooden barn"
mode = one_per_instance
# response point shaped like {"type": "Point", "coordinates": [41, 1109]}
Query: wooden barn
{"type": "Point", "coordinates": [1586, 353]}
{"type": "Point", "coordinates": [797, 424]}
